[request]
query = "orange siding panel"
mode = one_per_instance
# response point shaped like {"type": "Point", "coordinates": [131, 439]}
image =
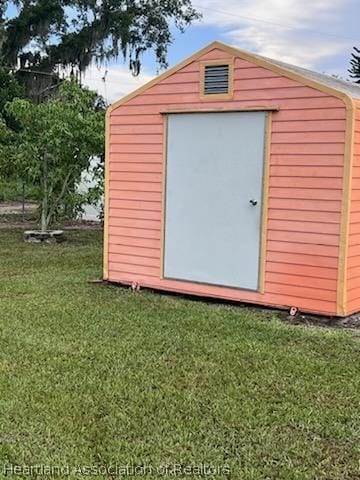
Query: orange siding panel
{"type": "Point", "coordinates": [304, 259]}
{"type": "Point", "coordinates": [302, 237]}
{"type": "Point", "coordinates": [305, 186]}
{"type": "Point", "coordinates": [151, 177]}
{"type": "Point", "coordinates": [308, 160]}
{"type": "Point", "coordinates": [124, 258]}
{"type": "Point", "coordinates": [143, 187]}
{"type": "Point", "coordinates": [322, 126]}
{"type": "Point", "coordinates": [117, 221]}
{"type": "Point", "coordinates": [134, 213]}
{"type": "Point", "coordinates": [118, 159]}
{"type": "Point", "coordinates": [335, 113]}
{"type": "Point", "coordinates": [135, 166]}
{"type": "Point", "coordinates": [134, 251]}
{"type": "Point", "coordinates": [299, 204]}
{"type": "Point", "coordinates": [306, 193]}
{"type": "Point", "coordinates": [294, 226]}
{"type": "Point", "coordinates": [306, 216]}
{"type": "Point", "coordinates": [153, 128]}
{"type": "Point", "coordinates": [134, 204]}
{"type": "Point", "coordinates": [308, 137]}
{"type": "Point", "coordinates": [119, 239]}
{"type": "Point", "coordinates": [305, 271]}
{"type": "Point", "coordinates": [305, 182]}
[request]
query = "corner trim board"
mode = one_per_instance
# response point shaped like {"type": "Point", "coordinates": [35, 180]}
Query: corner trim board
{"type": "Point", "coordinates": [106, 198]}
{"type": "Point", "coordinates": [342, 308]}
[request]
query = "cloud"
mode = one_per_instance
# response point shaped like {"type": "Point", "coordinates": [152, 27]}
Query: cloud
{"type": "Point", "coordinates": [114, 82]}
{"type": "Point", "coordinates": [288, 30]}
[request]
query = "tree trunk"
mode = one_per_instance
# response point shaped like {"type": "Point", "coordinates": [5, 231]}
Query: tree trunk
{"type": "Point", "coordinates": [56, 202]}
{"type": "Point", "coordinates": [44, 203]}
{"type": "Point", "coordinates": [23, 201]}
{"type": "Point", "coordinates": [44, 216]}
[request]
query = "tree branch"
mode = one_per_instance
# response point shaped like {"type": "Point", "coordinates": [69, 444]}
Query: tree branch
{"type": "Point", "coordinates": [59, 197]}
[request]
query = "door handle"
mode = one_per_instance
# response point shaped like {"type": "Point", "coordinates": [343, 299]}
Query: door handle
{"type": "Point", "coordinates": [253, 202]}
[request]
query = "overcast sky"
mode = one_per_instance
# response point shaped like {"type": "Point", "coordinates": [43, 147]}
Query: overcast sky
{"type": "Point", "coordinates": [317, 34]}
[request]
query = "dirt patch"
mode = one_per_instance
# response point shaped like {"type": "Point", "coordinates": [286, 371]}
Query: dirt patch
{"type": "Point", "coordinates": [13, 216]}
{"type": "Point", "coordinates": [8, 208]}
{"type": "Point", "coordinates": [351, 322]}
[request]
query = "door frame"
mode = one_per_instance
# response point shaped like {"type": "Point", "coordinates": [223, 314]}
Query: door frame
{"type": "Point", "coordinates": [265, 187]}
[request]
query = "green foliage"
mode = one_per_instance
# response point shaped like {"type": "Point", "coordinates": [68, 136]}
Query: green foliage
{"type": "Point", "coordinates": [10, 88]}
{"type": "Point", "coordinates": [50, 34]}
{"type": "Point", "coordinates": [55, 143]}
{"type": "Point", "coordinates": [354, 70]}
{"type": "Point", "coordinates": [8, 139]}
{"type": "Point", "coordinates": [13, 190]}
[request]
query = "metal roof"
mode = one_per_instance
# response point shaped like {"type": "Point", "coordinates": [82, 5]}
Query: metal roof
{"type": "Point", "coordinates": [344, 86]}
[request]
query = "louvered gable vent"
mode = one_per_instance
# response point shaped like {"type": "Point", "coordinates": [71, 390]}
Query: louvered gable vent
{"type": "Point", "coordinates": [216, 79]}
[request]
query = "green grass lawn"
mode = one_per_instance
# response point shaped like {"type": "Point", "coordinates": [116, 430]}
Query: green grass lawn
{"type": "Point", "coordinates": [99, 376]}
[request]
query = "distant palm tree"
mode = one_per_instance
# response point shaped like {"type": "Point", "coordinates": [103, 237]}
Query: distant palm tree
{"type": "Point", "coordinates": [355, 65]}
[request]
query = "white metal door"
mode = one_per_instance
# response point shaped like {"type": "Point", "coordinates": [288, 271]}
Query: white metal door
{"type": "Point", "coordinates": [213, 197]}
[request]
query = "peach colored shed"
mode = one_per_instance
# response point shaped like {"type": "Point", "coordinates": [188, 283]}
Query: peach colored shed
{"type": "Point", "coordinates": [311, 213]}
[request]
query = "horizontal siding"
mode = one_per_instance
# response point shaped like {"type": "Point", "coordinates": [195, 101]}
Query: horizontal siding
{"type": "Point", "coordinates": [117, 165]}
{"type": "Point", "coordinates": [308, 149]}
{"type": "Point", "coordinates": [305, 216]}
{"type": "Point", "coordinates": [148, 177]}
{"type": "Point", "coordinates": [132, 213]}
{"type": "Point", "coordinates": [307, 160]}
{"type": "Point", "coordinates": [322, 126]}
{"type": "Point", "coordinates": [304, 248]}
{"type": "Point", "coordinates": [293, 226]}
{"type": "Point", "coordinates": [303, 237]}
{"type": "Point", "coordinates": [306, 193]}
{"type": "Point", "coordinates": [307, 258]}
{"type": "Point", "coordinates": [353, 272]}
{"type": "Point", "coordinates": [298, 137]}
{"type": "Point", "coordinates": [304, 271]}
{"type": "Point", "coordinates": [139, 129]}
{"type": "Point", "coordinates": [131, 238]}
{"type": "Point", "coordinates": [305, 185]}
{"type": "Point", "coordinates": [296, 204]}
{"type": "Point", "coordinates": [306, 181]}
{"type": "Point", "coordinates": [146, 187]}
{"type": "Point", "coordinates": [323, 171]}
{"type": "Point", "coordinates": [133, 203]}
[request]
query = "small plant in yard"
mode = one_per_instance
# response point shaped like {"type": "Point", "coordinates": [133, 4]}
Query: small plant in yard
{"type": "Point", "coordinates": [55, 144]}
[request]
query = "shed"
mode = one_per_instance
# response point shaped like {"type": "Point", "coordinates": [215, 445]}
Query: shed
{"type": "Point", "coordinates": [237, 177]}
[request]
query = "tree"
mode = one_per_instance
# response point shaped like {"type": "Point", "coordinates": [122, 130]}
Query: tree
{"type": "Point", "coordinates": [355, 65]}
{"type": "Point", "coordinates": [9, 89]}
{"type": "Point", "coordinates": [56, 142]}
{"type": "Point", "coordinates": [49, 35]}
